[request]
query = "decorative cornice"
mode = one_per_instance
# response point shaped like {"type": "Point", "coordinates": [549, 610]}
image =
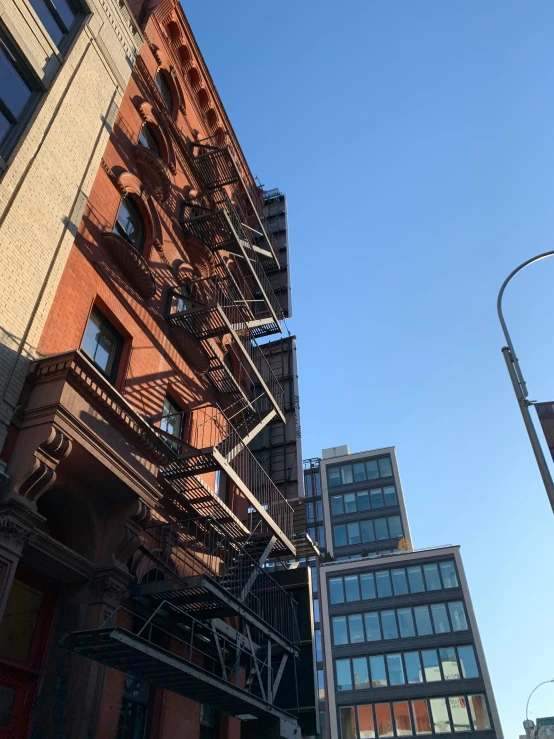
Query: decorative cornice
{"type": "Point", "coordinates": [132, 264]}
{"type": "Point", "coordinates": [13, 534]}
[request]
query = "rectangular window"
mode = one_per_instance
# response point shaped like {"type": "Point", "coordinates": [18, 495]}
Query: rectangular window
{"type": "Point", "coordinates": [363, 500]}
{"type": "Point", "coordinates": [317, 483]}
{"type": "Point", "coordinates": [372, 626]}
{"type": "Point", "coordinates": [56, 16]}
{"type": "Point", "coordinates": [423, 621]}
{"type": "Point", "coordinates": [414, 673]}
{"type": "Point", "coordinates": [406, 622]}
{"type": "Point", "coordinates": [381, 529]}
{"type": "Point", "coordinates": [356, 628]}
{"type": "Point", "coordinates": [359, 472]}
{"type": "Point", "coordinates": [347, 723]}
{"type": "Point", "coordinates": [318, 510]}
{"type": "Point", "coordinates": [361, 675]}
{"type": "Point", "coordinates": [431, 668]}
{"type": "Point", "coordinates": [421, 717]}
{"type": "Point", "coordinates": [346, 474]}
{"type": "Point", "coordinates": [310, 512]}
{"type": "Point", "coordinates": [378, 672]}
{"type": "Point", "coordinates": [449, 663]}
{"type": "Point", "coordinates": [440, 619]}
{"type": "Point", "coordinates": [441, 721]}
{"type": "Point", "coordinates": [316, 609]}
{"type": "Point", "coordinates": [350, 503]}
{"type": "Point", "coordinates": [367, 531]}
{"type": "Point", "coordinates": [402, 719]}
{"type": "Point", "coordinates": [396, 671]}
{"type": "Point", "coordinates": [388, 621]}
{"type": "Point", "coordinates": [333, 476]}
{"type": "Point", "coordinates": [352, 588]}
{"type": "Point", "coordinates": [372, 469]}
{"type": "Point", "coordinates": [415, 578]}
{"type": "Point", "coordinates": [353, 531]}
{"type": "Point", "coordinates": [172, 423]}
{"type": "Point", "coordinates": [377, 498]}
{"type": "Point", "coordinates": [308, 485]}
{"type": "Point", "coordinates": [365, 722]}
{"type": "Point", "coordinates": [344, 678]}
{"type": "Point", "coordinates": [102, 344]}
{"type": "Point", "coordinates": [367, 582]}
{"type": "Point", "coordinates": [318, 650]}
{"type": "Point", "coordinates": [340, 634]}
{"type": "Point", "coordinates": [321, 685]}
{"type": "Point", "coordinates": [395, 527]}
{"type": "Point", "coordinates": [384, 589]}
{"type": "Point", "coordinates": [432, 579]}
{"type": "Point", "coordinates": [390, 496]}
{"type": "Point", "coordinates": [384, 719]}
{"type": "Point", "coordinates": [479, 713]}
{"type": "Point", "coordinates": [337, 506]}
{"type": "Point", "coordinates": [385, 469]}
{"type": "Point", "coordinates": [457, 615]}
{"type": "Point", "coordinates": [468, 662]}
{"type": "Point", "coordinates": [339, 534]}
{"type": "Point", "coordinates": [399, 582]}
{"type": "Point", "coordinates": [448, 572]}
{"type": "Point", "coordinates": [314, 579]}
{"type": "Point", "coordinates": [321, 536]}
{"type": "Point", "coordinates": [458, 711]}
{"type": "Point", "coordinates": [336, 590]}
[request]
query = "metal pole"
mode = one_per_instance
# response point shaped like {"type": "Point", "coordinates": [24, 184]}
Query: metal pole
{"type": "Point", "coordinates": [520, 386]}
{"type": "Point", "coordinates": [528, 699]}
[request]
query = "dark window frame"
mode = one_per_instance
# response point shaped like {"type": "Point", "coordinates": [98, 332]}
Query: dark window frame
{"type": "Point", "coordinates": [80, 12]}
{"type": "Point", "coordinates": [111, 376]}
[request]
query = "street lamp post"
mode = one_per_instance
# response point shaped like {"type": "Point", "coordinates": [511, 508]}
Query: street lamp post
{"type": "Point", "coordinates": [529, 725]}
{"type": "Point", "coordinates": [520, 387]}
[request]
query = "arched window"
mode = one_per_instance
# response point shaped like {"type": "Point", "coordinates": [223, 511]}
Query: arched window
{"type": "Point", "coordinates": [129, 224]}
{"type": "Point", "coordinates": [147, 138]}
{"type": "Point", "coordinates": [164, 89]}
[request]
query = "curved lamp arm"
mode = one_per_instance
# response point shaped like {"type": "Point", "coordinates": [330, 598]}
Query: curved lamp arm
{"type": "Point", "coordinates": [528, 699]}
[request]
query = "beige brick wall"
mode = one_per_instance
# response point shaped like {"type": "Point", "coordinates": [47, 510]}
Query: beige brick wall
{"type": "Point", "coordinates": [51, 170]}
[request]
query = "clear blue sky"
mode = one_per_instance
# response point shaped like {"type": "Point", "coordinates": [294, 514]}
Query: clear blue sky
{"type": "Point", "coordinates": [415, 142]}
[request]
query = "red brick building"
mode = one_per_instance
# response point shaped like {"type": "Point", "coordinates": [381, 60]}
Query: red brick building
{"type": "Point", "coordinates": [135, 522]}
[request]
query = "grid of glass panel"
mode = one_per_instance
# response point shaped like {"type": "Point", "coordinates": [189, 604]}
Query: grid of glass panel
{"type": "Point", "coordinates": [364, 500]}
{"type": "Point", "coordinates": [394, 581]}
{"type": "Point", "coordinates": [314, 508]}
{"type": "Point", "coordinates": [415, 666]}
{"type": "Point", "coordinates": [399, 623]}
{"type": "Point", "coordinates": [371, 469]}
{"type": "Point", "coordinates": [376, 529]}
{"type": "Point", "coordinates": [453, 713]}
{"type": "Point", "coordinates": [102, 344]}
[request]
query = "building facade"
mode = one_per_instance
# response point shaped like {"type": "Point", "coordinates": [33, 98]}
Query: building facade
{"type": "Point", "coordinates": [136, 523]}
{"type": "Point", "coordinates": [398, 648]}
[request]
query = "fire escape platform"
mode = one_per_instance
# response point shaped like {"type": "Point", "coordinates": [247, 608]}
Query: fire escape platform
{"type": "Point", "coordinates": [122, 650]}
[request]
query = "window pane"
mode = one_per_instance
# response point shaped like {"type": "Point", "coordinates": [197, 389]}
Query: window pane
{"type": "Point", "coordinates": [381, 529]}
{"type": "Point", "coordinates": [333, 475]}
{"type": "Point", "coordinates": [367, 531]}
{"type": "Point", "coordinates": [432, 579]}
{"type": "Point", "coordinates": [163, 88]}
{"type": "Point", "coordinates": [129, 224]}
{"type": "Point", "coordinates": [368, 586]}
{"type": "Point", "coordinates": [388, 621]}
{"type": "Point", "coordinates": [448, 572]}
{"type": "Point", "coordinates": [337, 507]}
{"type": "Point", "coordinates": [440, 619]}
{"type": "Point", "coordinates": [351, 587]}
{"type": "Point", "coordinates": [347, 723]}
{"type": "Point", "coordinates": [479, 713]}
{"type": "Point", "coordinates": [395, 526]}
{"type": "Point", "coordinates": [378, 673]}
{"type": "Point", "coordinates": [361, 674]}
{"type": "Point", "coordinates": [350, 503]}
{"type": "Point", "coordinates": [321, 685]}
{"type": "Point", "coordinates": [449, 663]}
{"type": "Point", "coordinates": [458, 711]}
{"type": "Point", "coordinates": [316, 609]}
{"type": "Point", "coordinates": [310, 512]}
{"type": "Point", "coordinates": [344, 679]}
{"type": "Point", "coordinates": [339, 532]}
{"type": "Point", "coordinates": [385, 469]}
{"type": "Point", "coordinates": [356, 628]}
{"type": "Point", "coordinates": [15, 91]}
{"type": "Point", "coordinates": [363, 500]}
{"type": "Point", "coordinates": [377, 498]}
{"type": "Point", "coordinates": [100, 343]}
{"type": "Point", "coordinates": [5, 125]}
{"type": "Point", "coordinates": [372, 626]}
{"type": "Point", "coordinates": [318, 510]}
{"type": "Point", "coordinates": [414, 673]}
{"type": "Point", "coordinates": [431, 668]}
{"type": "Point", "coordinates": [441, 722]}
{"type": "Point", "coordinates": [383, 584]}
{"type": "Point", "coordinates": [468, 661]}
{"type": "Point", "coordinates": [415, 578]}
{"type": "Point", "coordinates": [321, 536]}
{"type": "Point", "coordinates": [340, 634]}
{"type": "Point", "coordinates": [314, 579]}
{"type": "Point", "coordinates": [317, 483]}
{"type": "Point", "coordinates": [346, 474]}
{"type": "Point", "coordinates": [390, 495]}
{"type": "Point", "coordinates": [399, 582]}
{"type": "Point", "coordinates": [372, 470]}
{"type": "Point", "coordinates": [406, 622]}
{"type": "Point", "coordinates": [384, 719]}
{"type": "Point", "coordinates": [318, 650]}
{"type": "Point", "coordinates": [457, 616]}
{"type": "Point", "coordinates": [359, 472]}
{"type": "Point", "coordinates": [47, 19]}
{"type": "Point", "coordinates": [421, 717]}
{"type": "Point", "coordinates": [396, 671]}
{"type": "Point", "coordinates": [365, 722]}
{"type": "Point", "coordinates": [353, 530]}
{"type": "Point", "coordinates": [402, 719]}
{"type": "Point", "coordinates": [423, 621]}
{"type": "Point", "coordinates": [308, 485]}
{"type": "Point", "coordinates": [336, 590]}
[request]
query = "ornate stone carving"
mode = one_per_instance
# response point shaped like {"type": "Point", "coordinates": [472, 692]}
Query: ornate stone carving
{"type": "Point", "coordinates": [153, 172]}
{"type": "Point", "coordinates": [130, 542]}
{"type": "Point", "coordinates": [191, 349]}
{"type": "Point", "coordinates": [13, 534]}
{"type": "Point", "coordinates": [43, 472]}
{"type": "Point", "coordinates": [108, 587]}
{"type": "Point", "coordinates": [132, 264]}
